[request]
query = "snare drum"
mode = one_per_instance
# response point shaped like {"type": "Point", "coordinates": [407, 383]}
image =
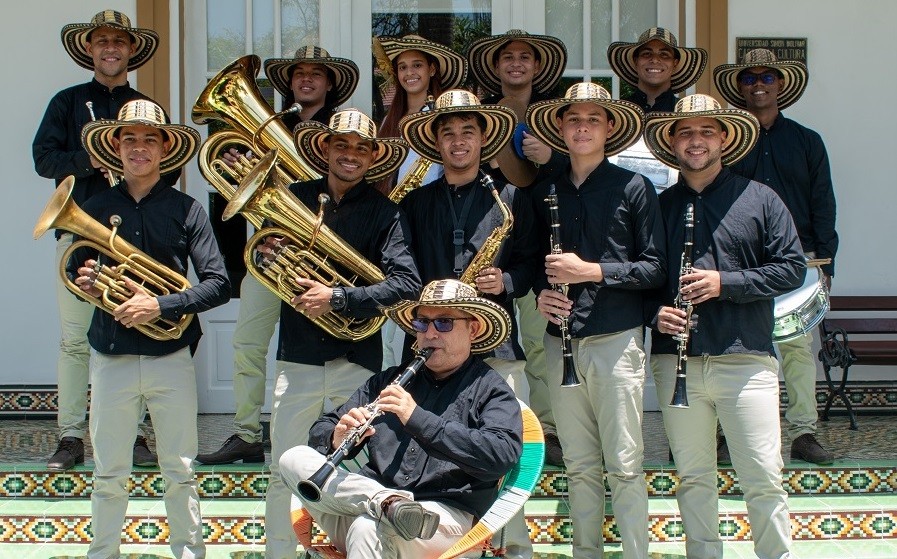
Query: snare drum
{"type": "Point", "coordinates": [799, 311]}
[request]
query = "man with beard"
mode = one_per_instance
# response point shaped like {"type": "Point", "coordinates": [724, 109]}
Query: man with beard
{"type": "Point", "coordinates": [745, 253]}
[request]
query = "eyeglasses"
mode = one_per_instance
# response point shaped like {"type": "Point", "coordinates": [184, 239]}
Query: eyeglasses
{"type": "Point", "coordinates": [768, 78]}
{"type": "Point", "coordinates": [442, 324]}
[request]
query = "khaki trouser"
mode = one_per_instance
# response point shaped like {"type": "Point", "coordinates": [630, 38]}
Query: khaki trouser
{"type": "Point", "coordinates": [742, 391]}
{"type": "Point", "coordinates": [349, 512]}
{"type": "Point", "coordinates": [301, 395]}
{"type": "Point", "coordinates": [532, 329]}
{"type": "Point", "coordinates": [603, 416]}
{"type": "Point", "coordinates": [123, 385]}
{"type": "Point", "coordinates": [799, 371]}
{"type": "Point", "coordinates": [258, 316]}
{"type": "Point", "coordinates": [72, 366]}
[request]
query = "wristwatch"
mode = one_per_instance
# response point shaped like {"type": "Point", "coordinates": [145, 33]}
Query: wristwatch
{"type": "Point", "coordinates": [338, 298]}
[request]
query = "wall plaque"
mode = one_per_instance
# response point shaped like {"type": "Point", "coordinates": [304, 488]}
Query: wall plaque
{"type": "Point", "coordinates": [784, 49]}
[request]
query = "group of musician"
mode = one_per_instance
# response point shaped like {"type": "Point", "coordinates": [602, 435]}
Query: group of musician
{"type": "Point", "coordinates": [489, 236]}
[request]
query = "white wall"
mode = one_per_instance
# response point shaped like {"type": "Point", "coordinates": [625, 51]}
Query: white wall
{"type": "Point", "coordinates": [848, 101]}
{"type": "Point", "coordinates": [35, 67]}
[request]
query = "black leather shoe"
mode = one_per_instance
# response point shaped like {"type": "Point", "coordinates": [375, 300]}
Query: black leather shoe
{"type": "Point", "coordinates": [69, 452]}
{"type": "Point", "coordinates": [409, 518]}
{"type": "Point", "coordinates": [554, 455]}
{"type": "Point", "coordinates": [808, 449]}
{"type": "Point", "coordinates": [233, 449]}
{"type": "Point", "coordinates": [142, 455]}
{"type": "Point", "coordinates": [722, 451]}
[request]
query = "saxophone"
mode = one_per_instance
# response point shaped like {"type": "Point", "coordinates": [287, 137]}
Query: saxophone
{"type": "Point", "coordinates": [488, 253]}
{"type": "Point", "coordinates": [414, 178]}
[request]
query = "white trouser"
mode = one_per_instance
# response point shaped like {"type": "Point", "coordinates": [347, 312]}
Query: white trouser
{"type": "Point", "coordinates": [603, 416]}
{"type": "Point", "coordinates": [122, 386]}
{"type": "Point", "coordinates": [743, 392]}
{"type": "Point", "coordinates": [301, 394]}
{"type": "Point", "coordinates": [258, 316]}
{"type": "Point", "coordinates": [72, 366]}
{"type": "Point", "coordinates": [349, 512]}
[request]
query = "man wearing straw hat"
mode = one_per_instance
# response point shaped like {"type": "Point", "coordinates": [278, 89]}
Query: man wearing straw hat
{"type": "Point", "coordinates": [129, 369]}
{"type": "Point", "coordinates": [745, 253]}
{"type": "Point", "coordinates": [313, 366]}
{"type": "Point", "coordinates": [517, 69]}
{"type": "Point", "coordinates": [318, 82]}
{"type": "Point", "coordinates": [792, 160]}
{"type": "Point", "coordinates": [109, 47]}
{"type": "Point", "coordinates": [444, 440]}
{"type": "Point", "coordinates": [455, 216]}
{"type": "Point", "coordinates": [612, 240]}
{"type": "Point", "coordinates": [657, 67]}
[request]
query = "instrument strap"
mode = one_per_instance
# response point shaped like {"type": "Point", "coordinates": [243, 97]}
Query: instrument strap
{"type": "Point", "coordinates": [458, 222]}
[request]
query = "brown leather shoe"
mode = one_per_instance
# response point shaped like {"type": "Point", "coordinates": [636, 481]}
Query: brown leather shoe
{"type": "Point", "coordinates": [69, 452]}
{"type": "Point", "coordinates": [410, 519]}
{"type": "Point", "coordinates": [808, 449]}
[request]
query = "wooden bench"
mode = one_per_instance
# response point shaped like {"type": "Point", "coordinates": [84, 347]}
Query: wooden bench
{"type": "Point", "coordinates": [855, 332]}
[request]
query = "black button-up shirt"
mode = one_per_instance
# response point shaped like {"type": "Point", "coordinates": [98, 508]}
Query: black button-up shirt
{"type": "Point", "coordinates": [57, 148]}
{"type": "Point", "coordinates": [430, 217]}
{"type": "Point", "coordinates": [375, 227]}
{"type": "Point", "coordinates": [743, 230]}
{"type": "Point", "coordinates": [665, 102]}
{"type": "Point", "coordinates": [466, 432]}
{"type": "Point", "coordinates": [613, 219]}
{"type": "Point", "coordinates": [792, 160]}
{"type": "Point", "coordinates": [170, 227]}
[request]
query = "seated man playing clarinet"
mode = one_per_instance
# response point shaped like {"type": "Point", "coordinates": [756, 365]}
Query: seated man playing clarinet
{"type": "Point", "coordinates": [439, 441]}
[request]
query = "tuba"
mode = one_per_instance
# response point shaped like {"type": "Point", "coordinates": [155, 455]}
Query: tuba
{"type": "Point", "coordinates": [233, 97]}
{"type": "Point", "coordinates": [126, 260]}
{"type": "Point", "coordinates": [488, 253]}
{"type": "Point", "coordinates": [312, 249]}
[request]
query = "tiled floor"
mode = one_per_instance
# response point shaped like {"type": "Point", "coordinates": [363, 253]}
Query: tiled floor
{"type": "Point", "coordinates": [33, 440]}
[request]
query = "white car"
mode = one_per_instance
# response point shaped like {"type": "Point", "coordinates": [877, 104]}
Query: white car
{"type": "Point", "coordinates": [639, 159]}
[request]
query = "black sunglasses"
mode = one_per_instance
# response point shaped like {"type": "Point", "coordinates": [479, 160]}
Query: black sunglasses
{"type": "Point", "coordinates": [442, 324]}
{"type": "Point", "coordinates": [768, 78]}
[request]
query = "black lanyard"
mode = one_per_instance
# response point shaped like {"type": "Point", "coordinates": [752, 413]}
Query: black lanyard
{"type": "Point", "coordinates": [458, 232]}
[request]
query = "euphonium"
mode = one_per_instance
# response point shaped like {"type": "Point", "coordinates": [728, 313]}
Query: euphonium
{"type": "Point", "coordinates": [488, 253]}
{"type": "Point", "coordinates": [414, 178]}
{"type": "Point", "coordinates": [126, 260]}
{"type": "Point", "coordinates": [233, 97]}
{"type": "Point", "coordinates": [312, 250]}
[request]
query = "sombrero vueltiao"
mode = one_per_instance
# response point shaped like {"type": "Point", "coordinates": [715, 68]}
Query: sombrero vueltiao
{"type": "Point", "coordinates": [74, 39]}
{"type": "Point", "coordinates": [417, 129]}
{"type": "Point", "coordinates": [454, 294]}
{"type": "Point", "coordinates": [742, 128]}
{"type": "Point", "coordinates": [280, 71]}
{"type": "Point", "coordinates": [452, 67]}
{"type": "Point", "coordinates": [551, 51]}
{"type": "Point", "coordinates": [97, 136]}
{"type": "Point", "coordinates": [310, 137]}
{"type": "Point", "coordinates": [794, 77]}
{"type": "Point", "coordinates": [688, 70]}
{"type": "Point", "coordinates": [541, 117]}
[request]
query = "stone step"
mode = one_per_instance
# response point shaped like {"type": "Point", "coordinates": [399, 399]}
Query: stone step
{"type": "Point", "coordinates": [241, 521]}
{"type": "Point", "coordinates": [236, 481]}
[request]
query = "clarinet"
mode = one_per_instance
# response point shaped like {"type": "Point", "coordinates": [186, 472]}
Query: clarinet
{"type": "Point", "coordinates": [310, 489]}
{"type": "Point", "coordinates": [570, 378]}
{"type": "Point", "coordinates": [680, 395]}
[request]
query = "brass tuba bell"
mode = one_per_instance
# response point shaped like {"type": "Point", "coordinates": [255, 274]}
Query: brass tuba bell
{"type": "Point", "coordinates": [312, 249]}
{"type": "Point", "coordinates": [124, 260]}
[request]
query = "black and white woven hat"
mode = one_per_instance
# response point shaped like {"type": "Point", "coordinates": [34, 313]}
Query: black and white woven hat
{"type": "Point", "coordinates": [452, 67]}
{"type": "Point", "coordinates": [551, 52]}
{"type": "Point", "coordinates": [692, 61]}
{"type": "Point", "coordinates": [75, 39]}
{"type": "Point", "coordinates": [794, 77]}
{"type": "Point", "coordinates": [280, 71]}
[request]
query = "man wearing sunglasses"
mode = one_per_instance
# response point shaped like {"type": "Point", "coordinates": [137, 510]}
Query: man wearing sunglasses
{"type": "Point", "coordinates": [436, 453]}
{"type": "Point", "coordinates": [792, 160]}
